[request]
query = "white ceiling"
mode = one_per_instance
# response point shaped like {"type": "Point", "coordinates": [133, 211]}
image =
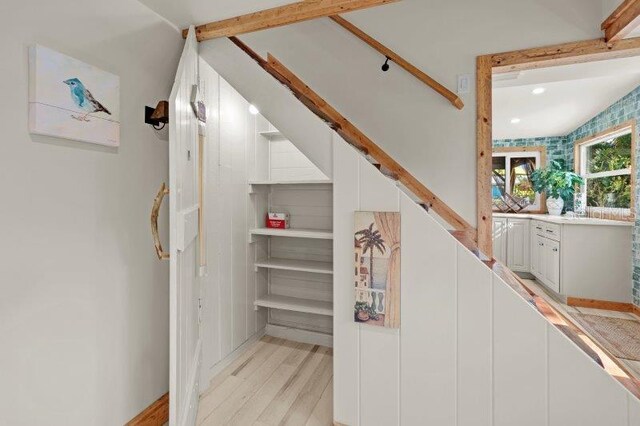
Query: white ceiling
{"type": "Point", "coordinates": [183, 13]}
{"type": "Point", "coordinates": [574, 94]}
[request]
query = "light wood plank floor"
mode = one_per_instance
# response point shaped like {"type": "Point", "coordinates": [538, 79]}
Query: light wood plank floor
{"type": "Point", "coordinates": [274, 382]}
{"type": "Point", "coordinates": [632, 366]}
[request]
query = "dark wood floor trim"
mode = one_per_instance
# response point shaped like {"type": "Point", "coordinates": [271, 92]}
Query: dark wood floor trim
{"type": "Point", "coordinates": [156, 414]}
{"type": "Point", "coordinates": [600, 304]}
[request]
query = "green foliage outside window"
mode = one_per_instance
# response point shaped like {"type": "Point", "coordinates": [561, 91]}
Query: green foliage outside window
{"type": "Point", "coordinates": [611, 191]}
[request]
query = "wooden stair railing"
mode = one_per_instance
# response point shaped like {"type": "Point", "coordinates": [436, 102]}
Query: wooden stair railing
{"type": "Point", "coordinates": [356, 138]}
{"type": "Point", "coordinates": [403, 63]}
{"type": "Point", "coordinates": [463, 232]}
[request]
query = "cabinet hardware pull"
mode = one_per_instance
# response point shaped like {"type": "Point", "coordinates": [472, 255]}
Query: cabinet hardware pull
{"type": "Point", "coordinates": [155, 212]}
{"type": "Point", "coordinates": [549, 231]}
{"type": "Point", "coordinates": [555, 249]}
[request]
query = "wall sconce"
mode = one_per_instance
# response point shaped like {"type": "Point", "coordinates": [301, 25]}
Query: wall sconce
{"type": "Point", "coordinates": [157, 117]}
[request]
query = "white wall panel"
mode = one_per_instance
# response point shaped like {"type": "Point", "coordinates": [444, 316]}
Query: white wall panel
{"type": "Point", "coordinates": [251, 277]}
{"type": "Point", "coordinates": [311, 134]}
{"type": "Point", "coordinates": [379, 347]}
{"type": "Point", "coordinates": [428, 323]}
{"type": "Point", "coordinates": [519, 360]}
{"type": "Point", "coordinates": [210, 284]}
{"type": "Point", "coordinates": [634, 410]}
{"type": "Point", "coordinates": [346, 333]}
{"type": "Point", "coordinates": [474, 340]}
{"type": "Point", "coordinates": [580, 392]}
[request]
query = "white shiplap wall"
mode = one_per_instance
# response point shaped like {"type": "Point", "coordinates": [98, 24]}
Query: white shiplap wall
{"type": "Point", "coordinates": [470, 351]}
{"type": "Point", "coordinates": [230, 286]}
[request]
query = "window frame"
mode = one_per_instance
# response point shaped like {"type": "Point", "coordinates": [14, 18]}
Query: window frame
{"type": "Point", "coordinates": [540, 152]}
{"type": "Point", "coordinates": [580, 166]}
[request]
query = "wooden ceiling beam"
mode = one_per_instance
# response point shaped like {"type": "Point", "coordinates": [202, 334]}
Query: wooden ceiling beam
{"type": "Point", "coordinates": [622, 21]}
{"type": "Point", "coordinates": [403, 63]}
{"type": "Point", "coordinates": [564, 54]}
{"type": "Point", "coordinates": [356, 138]}
{"type": "Point", "coordinates": [279, 16]}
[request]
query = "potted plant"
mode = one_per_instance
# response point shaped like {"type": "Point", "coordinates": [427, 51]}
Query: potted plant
{"type": "Point", "coordinates": [363, 312]}
{"type": "Point", "coordinates": [557, 183]}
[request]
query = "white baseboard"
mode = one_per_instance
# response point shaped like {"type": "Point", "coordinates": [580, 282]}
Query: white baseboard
{"type": "Point", "coordinates": [298, 335]}
{"type": "Point", "coordinates": [226, 361]}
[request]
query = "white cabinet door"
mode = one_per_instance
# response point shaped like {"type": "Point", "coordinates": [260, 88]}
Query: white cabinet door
{"type": "Point", "coordinates": [535, 258]}
{"type": "Point", "coordinates": [539, 258]}
{"type": "Point", "coordinates": [518, 246]}
{"type": "Point", "coordinates": [184, 290]}
{"type": "Point", "coordinates": [552, 268]}
{"type": "Point", "coordinates": [500, 239]}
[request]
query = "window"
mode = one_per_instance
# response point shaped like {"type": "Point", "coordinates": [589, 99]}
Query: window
{"type": "Point", "coordinates": [606, 162]}
{"type": "Point", "coordinates": [511, 178]}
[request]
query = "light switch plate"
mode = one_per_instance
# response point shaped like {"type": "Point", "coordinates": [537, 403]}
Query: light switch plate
{"type": "Point", "coordinates": [464, 84]}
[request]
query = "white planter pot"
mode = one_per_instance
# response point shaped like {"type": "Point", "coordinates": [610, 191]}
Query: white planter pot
{"type": "Point", "coordinates": [555, 206]}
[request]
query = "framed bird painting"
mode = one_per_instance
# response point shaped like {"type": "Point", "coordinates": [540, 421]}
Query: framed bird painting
{"type": "Point", "coordinates": [71, 99]}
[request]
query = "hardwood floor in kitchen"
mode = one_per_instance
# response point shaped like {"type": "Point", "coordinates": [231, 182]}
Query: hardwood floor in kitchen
{"type": "Point", "coordinates": [275, 382]}
{"type": "Point", "coordinates": [632, 366]}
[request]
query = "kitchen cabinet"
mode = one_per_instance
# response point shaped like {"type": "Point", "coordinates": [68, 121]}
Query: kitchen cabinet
{"type": "Point", "coordinates": [511, 243]}
{"type": "Point", "coordinates": [545, 254]}
{"type": "Point", "coordinates": [518, 247]}
{"type": "Point", "coordinates": [581, 258]}
{"type": "Point", "coordinates": [500, 239]}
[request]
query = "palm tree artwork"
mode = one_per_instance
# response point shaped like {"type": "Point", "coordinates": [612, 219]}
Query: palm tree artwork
{"type": "Point", "coordinates": [370, 241]}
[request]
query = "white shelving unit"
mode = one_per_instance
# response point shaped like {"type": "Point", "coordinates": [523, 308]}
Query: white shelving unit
{"type": "Point", "coordinates": [314, 266]}
{"type": "Point", "coordinates": [287, 303]}
{"type": "Point", "coordinates": [292, 182]}
{"type": "Point", "coordinates": [293, 266]}
{"type": "Point", "coordinates": [272, 135]}
{"type": "Point", "coordinates": [294, 233]}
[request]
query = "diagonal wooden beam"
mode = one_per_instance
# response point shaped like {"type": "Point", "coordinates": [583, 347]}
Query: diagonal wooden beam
{"type": "Point", "coordinates": [403, 63]}
{"type": "Point", "coordinates": [355, 137]}
{"type": "Point", "coordinates": [622, 21]}
{"type": "Point", "coordinates": [279, 16]}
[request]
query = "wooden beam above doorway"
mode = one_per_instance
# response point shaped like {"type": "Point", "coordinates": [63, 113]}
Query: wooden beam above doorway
{"type": "Point", "coordinates": [403, 63]}
{"type": "Point", "coordinates": [564, 54]}
{"type": "Point", "coordinates": [622, 21]}
{"type": "Point", "coordinates": [279, 16]}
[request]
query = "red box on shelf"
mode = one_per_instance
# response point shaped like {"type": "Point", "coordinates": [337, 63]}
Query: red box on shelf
{"type": "Point", "coordinates": [278, 220]}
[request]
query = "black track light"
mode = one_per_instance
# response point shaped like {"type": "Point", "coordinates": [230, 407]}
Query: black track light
{"type": "Point", "coordinates": [385, 67]}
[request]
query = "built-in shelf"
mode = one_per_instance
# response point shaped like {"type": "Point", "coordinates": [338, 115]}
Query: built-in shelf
{"type": "Point", "coordinates": [294, 304]}
{"type": "Point", "coordinates": [294, 233]}
{"type": "Point", "coordinates": [272, 135]}
{"type": "Point", "coordinates": [297, 265]}
{"type": "Point", "coordinates": [291, 182]}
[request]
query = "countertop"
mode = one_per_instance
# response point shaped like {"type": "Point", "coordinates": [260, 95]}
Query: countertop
{"type": "Point", "coordinates": [562, 220]}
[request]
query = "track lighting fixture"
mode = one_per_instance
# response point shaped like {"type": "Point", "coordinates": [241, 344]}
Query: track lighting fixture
{"type": "Point", "coordinates": [385, 66]}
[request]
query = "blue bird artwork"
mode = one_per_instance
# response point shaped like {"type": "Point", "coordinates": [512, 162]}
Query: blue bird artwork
{"type": "Point", "coordinates": [83, 99]}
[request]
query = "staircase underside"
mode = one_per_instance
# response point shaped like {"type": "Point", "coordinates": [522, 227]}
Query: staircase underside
{"type": "Point", "coordinates": [463, 231]}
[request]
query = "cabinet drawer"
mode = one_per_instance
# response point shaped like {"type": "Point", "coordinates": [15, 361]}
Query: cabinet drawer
{"type": "Point", "coordinates": [551, 230]}
{"type": "Point", "coordinates": [538, 228]}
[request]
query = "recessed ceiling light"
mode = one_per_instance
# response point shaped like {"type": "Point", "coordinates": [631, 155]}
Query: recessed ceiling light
{"type": "Point", "coordinates": [253, 110]}
{"type": "Point", "coordinates": [538, 90]}
{"type": "Point", "coordinates": [515, 120]}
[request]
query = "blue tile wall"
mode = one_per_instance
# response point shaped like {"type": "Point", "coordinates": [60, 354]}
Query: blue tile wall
{"type": "Point", "coordinates": [623, 110]}
{"type": "Point", "coordinates": [555, 145]}
{"type": "Point", "coordinates": [561, 147]}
